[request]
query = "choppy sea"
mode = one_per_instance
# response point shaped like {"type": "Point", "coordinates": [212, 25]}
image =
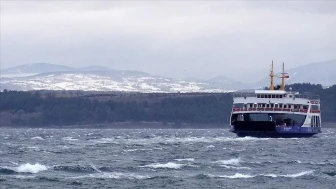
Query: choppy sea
{"type": "Point", "coordinates": [163, 158]}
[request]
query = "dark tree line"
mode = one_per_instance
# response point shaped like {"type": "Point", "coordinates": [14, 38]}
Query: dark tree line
{"type": "Point", "coordinates": [30, 108]}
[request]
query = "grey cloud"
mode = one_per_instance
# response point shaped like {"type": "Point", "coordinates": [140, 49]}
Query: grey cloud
{"type": "Point", "coordinates": [177, 39]}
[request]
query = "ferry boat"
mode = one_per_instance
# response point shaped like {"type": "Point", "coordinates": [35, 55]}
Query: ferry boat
{"type": "Point", "coordinates": [275, 112]}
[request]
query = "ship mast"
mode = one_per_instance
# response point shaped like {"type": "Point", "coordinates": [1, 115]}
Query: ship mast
{"type": "Point", "coordinates": [272, 76]}
{"type": "Point", "coordinates": [283, 76]}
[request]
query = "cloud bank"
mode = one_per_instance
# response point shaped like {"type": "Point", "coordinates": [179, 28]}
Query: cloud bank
{"type": "Point", "coordinates": [170, 38]}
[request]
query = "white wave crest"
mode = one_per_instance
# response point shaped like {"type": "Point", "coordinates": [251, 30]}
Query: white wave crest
{"type": "Point", "coordinates": [235, 176]}
{"type": "Point", "coordinates": [69, 139]}
{"type": "Point", "coordinates": [233, 161]}
{"type": "Point", "coordinates": [131, 150]}
{"type": "Point", "coordinates": [234, 167]}
{"type": "Point", "coordinates": [13, 163]}
{"type": "Point", "coordinates": [114, 175]}
{"type": "Point", "coordinates": [298, 174]}
{"type": "Point", "coordinates": [37, 138]}
{"type": "Point", "coordinates": [247, 138]}
{"type": "Point", "coordinates": [185, 159]}
{"type": "Point", "coordinates": [240, 175]}
{"type": "Point", "coordinates": [168, 165]}
{"type": "Point", "coordinates": [269, 175]}
{"type": "Point", "coordinates": [31, 168]}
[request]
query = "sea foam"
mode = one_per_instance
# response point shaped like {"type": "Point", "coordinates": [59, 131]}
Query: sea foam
{"type": "Point", "coordinates": [185, 159]}
{"type": "Point", "coordinates": [233, 161]}
{"type": "Point", "coordinates": [31, 168]}
{"type": "Point", "coordinates": [168, 165]}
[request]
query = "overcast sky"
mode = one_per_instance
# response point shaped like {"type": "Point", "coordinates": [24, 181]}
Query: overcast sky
{"type": "Point", "coordinates": [169, 38]}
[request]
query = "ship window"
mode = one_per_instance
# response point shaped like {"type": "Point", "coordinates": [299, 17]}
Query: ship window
{"type": "Point", "coordinates": [258, 96]}
{"type": "Point", "coordinates": [263, 105]}
{"type": "Point", "coordinates": [273, 96]}
{"type": "Point", "coordinates": [262, 96]}
{"type": "Point", "coordinates": [272, 105]}
{"type": "Point", "coordinates": [276, 96]}
{"type": "Point", "coordinates": [268, 96]}
{"type": "Point", "coordinates": [305, 107]}
{"type": "Point", "coordinates": [296, 106]}
{"type": "Point", "coordinates": [315, 107]}
{"type": "Point", "coordinates": [239, 105]}
{"type": "Point", "coordinates": [280, 96]}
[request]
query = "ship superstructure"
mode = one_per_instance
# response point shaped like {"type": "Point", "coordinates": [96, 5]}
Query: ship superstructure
{"type": "Point", "coordinates": [276, 112]}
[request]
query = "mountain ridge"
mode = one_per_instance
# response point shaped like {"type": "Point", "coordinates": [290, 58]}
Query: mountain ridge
{"type": "Point", "coordinates": [47, 76]}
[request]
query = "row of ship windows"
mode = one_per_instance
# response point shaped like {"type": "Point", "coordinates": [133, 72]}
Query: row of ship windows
{"type": "Point", "coordinates": [272, 96]}
{"type": "Point", "coordinates": [272, 105]}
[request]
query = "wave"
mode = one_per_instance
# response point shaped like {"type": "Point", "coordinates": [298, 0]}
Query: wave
{"type": "Point", "coordinates": [6, 171]}
{"type": "Point", "coordinates": [76, 168]}
{"type": "Point", "coordinates": [290, 175]}
{"type": "Point", "coordinates": [185, 159]}
{"type": "Point", "coordinates": [315, 163]}
{"type": "Point", "coordinates": [240, 175]}
{"type": "Point", "coordinates": [237, 175]}
{"type": "Point", "coordinates": [233, 161]}
{"type": "Point", "coordinates": [247, 138]}
{"type": "Point", "coordinates": [25, 168]}
{"type": "Point", "coordinates": [37, 138]}
{"type": "Point", "coordinates": [30, 168]}
{"type": "Point", "coordinates": [234, 167]}
{"type": "Point", "coordinates": [131, 150]}
{"type": "Point", "coordinates": [332, 174]}
{"type": "Point", "coordinates": [114, 175]}
{"type": "Point", "coordinates": [172, 140]}
{"type": "Point", "coordinates": [168, 165]}
{"type": "Point", "coordinates": [69, 139]}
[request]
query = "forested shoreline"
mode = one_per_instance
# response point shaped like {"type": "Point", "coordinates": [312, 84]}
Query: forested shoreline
{"type": "Point", "coordinates": [109, 109]}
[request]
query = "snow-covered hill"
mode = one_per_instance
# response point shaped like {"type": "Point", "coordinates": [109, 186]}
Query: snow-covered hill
{"type": "Point", "coordinates": [110, 80]}
{"type": "Point", "coordinates": [43, 76]}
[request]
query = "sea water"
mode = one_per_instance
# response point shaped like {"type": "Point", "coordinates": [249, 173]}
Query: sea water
{"type": "Point", "coordinates": [163, 158]}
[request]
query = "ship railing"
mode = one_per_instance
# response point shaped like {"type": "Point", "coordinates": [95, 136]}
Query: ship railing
{"type": "Point", "coordinates": [274, 109]}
